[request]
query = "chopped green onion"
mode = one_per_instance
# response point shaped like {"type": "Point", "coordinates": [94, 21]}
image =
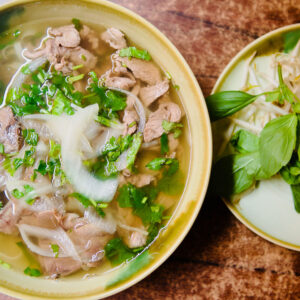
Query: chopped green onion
{"type": "Point", "coordinates": [77, 67]}
{"type": "Point", "coordinates": [75, 78]}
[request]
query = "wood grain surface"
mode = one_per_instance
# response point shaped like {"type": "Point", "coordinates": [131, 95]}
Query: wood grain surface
{"type": "Point", "coordinates": [220, 258]}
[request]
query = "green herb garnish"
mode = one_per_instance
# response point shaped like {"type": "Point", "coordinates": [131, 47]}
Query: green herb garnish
{"type": "Point", "coordinates": [55, 249]}
{"type": "Point", "coordinates": [30, 137]}
{"type": "Point", "coordinates": [32, 272]}
{"type": "Point", "coordinates": [134, 52]}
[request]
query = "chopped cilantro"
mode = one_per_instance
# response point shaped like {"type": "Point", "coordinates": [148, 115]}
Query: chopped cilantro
{"type": "Point", "coordinates": [30, 136]}
{"type": "Point", "coordinates": [32, 272]}
{"type": "Point", "coordinates": [164, 144]}
{"type": "Point", "coordinates": [77, 24]}
{"type": "Point", "coordinates": [17, 194]}
{"type": "Point", "coordinates": [8, 167]}
{"type": "Point", "coordinates": [61, 104]}
{"type": "Point", "coordinates": [26, 69]}
{"type": "Point", "coordinates": [117, 252]}
{"type": "Point", "coordinates": [131, 196]}
{"type": "Point", "coordinates": [134, 52]}
{"type": "Point", "coordinates": [55, 249]}
{"type": "Point", "coordinates": [52, 167]}
{"type": "Point", "coordinates": [105, 166]}
{"type": "Point", "coordinates": [54, 150]}
{"type": "Point", "coordinates": [172, 127]}
{"type": "Point", "coordinates": [17, 163]}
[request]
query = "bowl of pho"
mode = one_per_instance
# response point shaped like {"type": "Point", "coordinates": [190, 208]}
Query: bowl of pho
{"type": "Point", "coordinates": [105, 149]}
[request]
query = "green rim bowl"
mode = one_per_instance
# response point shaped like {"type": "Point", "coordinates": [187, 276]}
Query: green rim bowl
{"type": "Point", "coordinates": [144, 34]}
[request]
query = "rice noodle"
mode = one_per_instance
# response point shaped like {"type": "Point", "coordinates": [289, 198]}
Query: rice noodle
{"type": "Point", "coordinates": [246, 125]}
{"type": "Point", "coordinates": [66, 246]}
{"type": "Point", "coordinates": [246, 74]}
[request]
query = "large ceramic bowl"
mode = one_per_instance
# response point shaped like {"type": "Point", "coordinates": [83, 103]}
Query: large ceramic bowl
{"type": "Point", "coordinates": [167, 56]}
{"type": "Point", "coordinates": [269, 209]}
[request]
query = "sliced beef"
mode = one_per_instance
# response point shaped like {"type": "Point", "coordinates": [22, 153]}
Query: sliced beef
{"type": "Point", "coordinates": [143, 70]}
{"type": "Point", "coordinates": [131, 118]}
{"type": "Point", "coordinates": [57, 266]}
{"type": "Point", "coordinates": [132, 238]}
{"type": "Point", "coordinates": [66, 36]}
{"type": "Point", "coordinates": [118, 76]}
{"type": "Point", "coordinates": [115, 38]}
{"type": "Point", "coordinates": [10, 132]}
{"type": "Point", "coordinates": [91, 40]}
{"type": "Point", "coordinates": [120, 82]}
{"type": "Point", "coordinates": [9, 217]}
{"type": "Point", "coordinates": [88, 239]}
{"type": "Point", "coordinates": [63, 51]}
{"type": "Point", "coordinates": [49, 219]}
{"type": "Point", "coordinates": [150, 93]}
{"type": "Point", "coordinates": [139, 180]}
{"type": "Point", "coordinates": [168, 111]}
{"type": "Point", "coordinates": [73, 57]}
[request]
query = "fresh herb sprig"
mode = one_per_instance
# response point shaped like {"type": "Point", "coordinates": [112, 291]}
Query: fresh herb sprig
{"type": "Point", "coordinates": [258, 157]}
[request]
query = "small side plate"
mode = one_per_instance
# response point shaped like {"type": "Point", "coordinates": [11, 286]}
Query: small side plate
{"type": "Point", "coordinates": [268, 210]}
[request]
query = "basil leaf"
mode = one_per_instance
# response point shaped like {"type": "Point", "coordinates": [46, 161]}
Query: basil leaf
{"type": "Point", "coordinates": [224, 104]}
{"type": "Point", "coordinates": [244, 141]}
{"type": "Point", "coordinates": [296, 196]}
{"type": "Point", "coordinates": [231, 174]}
{"type": "Point", "coordinates": [290, 40]}
{"type": "Point", "coordinates": [277, 142]}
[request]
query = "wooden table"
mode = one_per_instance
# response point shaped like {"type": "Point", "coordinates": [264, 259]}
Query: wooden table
{"type": "Point", "coordinates": [220, 258]}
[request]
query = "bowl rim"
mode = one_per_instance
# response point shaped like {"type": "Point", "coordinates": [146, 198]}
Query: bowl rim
{"type": "Point", "coordinates": [229, 68]}
{"type": "Point", "coordinates": [199, 199]}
